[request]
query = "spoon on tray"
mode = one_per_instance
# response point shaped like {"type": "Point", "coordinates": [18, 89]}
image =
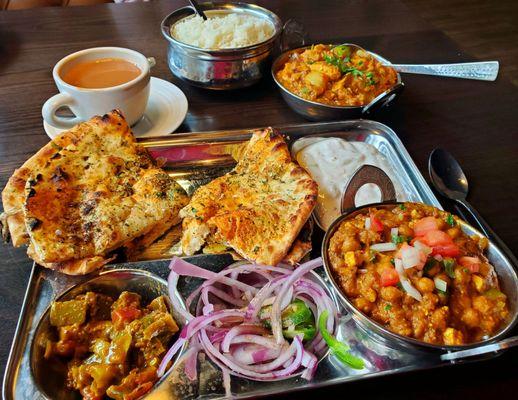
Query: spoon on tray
{"type": "Point", "coordinates": [449, 180]}
{"type": "Point", "coordinates": [482, 71]}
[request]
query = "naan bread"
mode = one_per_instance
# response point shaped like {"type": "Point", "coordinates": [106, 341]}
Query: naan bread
{"type": "Point", "coordinates": [86, 193]}
{"type": "Point", "coordinates": [257, 209]}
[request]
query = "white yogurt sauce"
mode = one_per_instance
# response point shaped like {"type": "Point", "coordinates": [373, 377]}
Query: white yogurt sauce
{"type": "Point", "coordinates": [332, 162]}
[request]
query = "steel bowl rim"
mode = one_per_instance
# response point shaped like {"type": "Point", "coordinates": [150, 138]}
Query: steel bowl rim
{"type": "Point", "coordinates": [244, 7]}
{"type": "Point", "coordinates": [365, 320]}
{"type": "Point", "coordinates": [275, 68]}
{"type": "Point", "coordinates": [91, 278]}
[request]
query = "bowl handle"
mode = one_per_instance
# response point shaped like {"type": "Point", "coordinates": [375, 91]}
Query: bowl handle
{"type": "Point", "coordinates": [293, 35]}
{"type": "Point", "coordinates": [488, 348]}
{"type": "Point", "coordinates": [384, 98]}
{"type": "Point", "coordinates": [367, 174]}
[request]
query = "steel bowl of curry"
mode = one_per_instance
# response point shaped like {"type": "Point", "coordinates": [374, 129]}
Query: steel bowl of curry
{"type": "Point", "coordinates": [326, 82]}
{"type": "Point", "coordinates": [105, 338]}
{"type": "Point", "coordinates": [420, 277]}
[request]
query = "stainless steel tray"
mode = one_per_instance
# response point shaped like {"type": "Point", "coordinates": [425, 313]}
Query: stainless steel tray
{"type": "Point", "coordinates": [194, 159]}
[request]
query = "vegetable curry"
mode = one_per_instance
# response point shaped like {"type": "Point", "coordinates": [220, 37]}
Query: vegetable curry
{"type": "Point", "coordinates": [337, 76]}
{"type": "Point", "coordinates": [413, 270]}
{"type": "Point", "coordinates": [113, 348]}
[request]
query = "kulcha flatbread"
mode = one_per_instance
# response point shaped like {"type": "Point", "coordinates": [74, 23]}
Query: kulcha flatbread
{"type": "Point", "coordinates": [257, 209]}
{"type": "Point", "coordinates": [88, 192]}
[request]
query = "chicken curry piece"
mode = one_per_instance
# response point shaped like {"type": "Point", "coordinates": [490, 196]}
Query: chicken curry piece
{"type": "Point", "coordinates": [337, 76]}
{"type": "Point", "coordinates": [113, 348]}
{"type": "Point", "coordinates": [413, 270]}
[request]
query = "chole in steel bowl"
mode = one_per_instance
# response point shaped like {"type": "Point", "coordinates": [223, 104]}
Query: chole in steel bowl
{"type": "Point", "coordinates": [224, 68]}
{"type": "Point", "coordinates": [316, 111]}
{"type": "Point", "coordinates": [503, 266]}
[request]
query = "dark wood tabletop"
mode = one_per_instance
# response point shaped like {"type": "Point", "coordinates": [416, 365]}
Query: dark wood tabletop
{"type": "Point", "coordinates": [476, 121]}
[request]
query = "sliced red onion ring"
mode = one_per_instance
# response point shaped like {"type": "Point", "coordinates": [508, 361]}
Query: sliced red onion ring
{"type": "Point", "coordinates": [254, 354]}
{"type": "Point", "coordinates": [276, 307]}
{"type": "Point", "coordinates": [172, 281]}
{"type": "Point", "coordinates": [189, 330]}
{"type": "Point", "coordinates": [234, 339]}
{"type": "Point", "coordinates": [255, 304]}
{"type": "Point", "coordinates": [240, 330]}
{"type": "Point", "coordinates": [221, 277]}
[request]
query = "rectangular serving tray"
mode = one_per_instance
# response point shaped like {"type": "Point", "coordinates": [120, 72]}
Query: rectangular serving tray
{"type": "Point", "coordinates": [195, 159]}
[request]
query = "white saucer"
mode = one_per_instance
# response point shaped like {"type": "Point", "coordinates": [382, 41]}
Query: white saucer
{"type": "Point", "coordinates": [165, 111]}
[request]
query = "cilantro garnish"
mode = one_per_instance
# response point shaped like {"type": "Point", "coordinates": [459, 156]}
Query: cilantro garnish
{"type": "Point", "coordinates": [450, 220]}
{"type": "Point", "coordinates": [449, 264]}
{"type": "Point", "coordinates": [398, 239]}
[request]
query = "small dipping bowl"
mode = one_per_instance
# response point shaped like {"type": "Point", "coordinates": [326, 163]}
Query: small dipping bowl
{"type": "Point", "coordinates": [220, 69]}
{"type": "Point", "coordinates": [315, 111]}
{"type": "Point", "coordinates": [50, 376]}
{"type": "Point", "coordinates": [503, 267]}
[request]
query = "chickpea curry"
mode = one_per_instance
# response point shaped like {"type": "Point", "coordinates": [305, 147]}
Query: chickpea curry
{"type": "Point", "coordinates": [337, 76]}
{"type": "Point", "coordinates": [113, 348]}
{"type": "Point", "coordinates": [414, 271]}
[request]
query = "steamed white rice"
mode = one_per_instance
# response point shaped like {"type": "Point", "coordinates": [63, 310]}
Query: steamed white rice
{"type": "Point", "coordinates": [225, 32]}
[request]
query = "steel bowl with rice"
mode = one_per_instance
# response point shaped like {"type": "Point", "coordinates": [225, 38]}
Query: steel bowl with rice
{"type": "Point", "coordinates": [216, 59]}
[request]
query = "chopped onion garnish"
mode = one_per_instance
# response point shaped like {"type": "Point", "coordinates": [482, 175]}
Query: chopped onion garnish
{"type": "Point", "coordinates": [422, 247]}
{"type": "Point", "coordinates": [438, 257]}
{"type": "Point", "coordinates": [227, 328]}
{"type": "Point", "coordinates": [367, 223]}
{"type": "Point", "coordinates": [394, 232]}
{"type": "Point", "coordinates": [410, 256]}
{"type": "Point", "coordinates": [384, 246]}
{"type": "Point", "coordinates": [440, 284]}
{"type": "Point", "coordinates": [411, 291]}
{"type": "Point", "coordinates": [405, 282]}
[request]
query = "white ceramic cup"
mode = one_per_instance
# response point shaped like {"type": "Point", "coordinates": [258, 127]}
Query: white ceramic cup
{"type": "Point", "coordinates": [130, 97]}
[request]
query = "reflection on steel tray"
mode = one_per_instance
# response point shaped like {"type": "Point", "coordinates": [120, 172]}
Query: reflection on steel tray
{"type": "Point", "coordinates": [195, 159]}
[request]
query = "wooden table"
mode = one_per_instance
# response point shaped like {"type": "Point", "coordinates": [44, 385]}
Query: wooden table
{"type": "Point", "coordinates": [476, 121]}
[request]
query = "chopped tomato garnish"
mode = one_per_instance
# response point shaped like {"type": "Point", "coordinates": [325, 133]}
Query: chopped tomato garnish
{"type": "Point", "coordinates": [125, 315]}
{"type": "Point", "coordinates": [449, 250]}
{"type": "Point", "coordinates": [376, 224]}
{"type": "Point", "coordinates": [472, 263]}
{"type": "Point", "coordinates": [441, 243]}
{"type": "Point", "coordinates": [436, 238]}
{"type": "Point", "coordinates": [425, 225]}
{"type": "Point", "coordinates": [422, 261]}
{"type": "Point", "coordinates": [389, 277]}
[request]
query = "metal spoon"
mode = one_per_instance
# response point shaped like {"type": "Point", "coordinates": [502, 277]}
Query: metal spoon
{"type": "Point", "coordinates": [198, 9]}
{"type": "Point", "coordinates": [482, 71]}
{"type": "Point", "coordinates": [449, 179]}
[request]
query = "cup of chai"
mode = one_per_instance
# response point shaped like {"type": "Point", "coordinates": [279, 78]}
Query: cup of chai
{"type": "Point", "coordinates": [97, 80]}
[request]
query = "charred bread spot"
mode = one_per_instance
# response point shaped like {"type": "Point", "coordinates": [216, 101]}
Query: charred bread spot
{"type": "Point", "coordinates": [31, 192]}
{"type": "Point", "coordinates": [297, 171]}
{"type": "Point", "coordinates": [33, 223]}
{"type": "Point", "coordinates": [106, 118]}
{"type": "Point", "coordinates": [278, 146]}
{"type": "Point", "coordinates": [59, 175]}
{"type": "Point", "coordinates": [87, 207]}
{"type": "Point", "coordinates": [98, 194]}
{"type": "Point", "coordinates": [88, 231]}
